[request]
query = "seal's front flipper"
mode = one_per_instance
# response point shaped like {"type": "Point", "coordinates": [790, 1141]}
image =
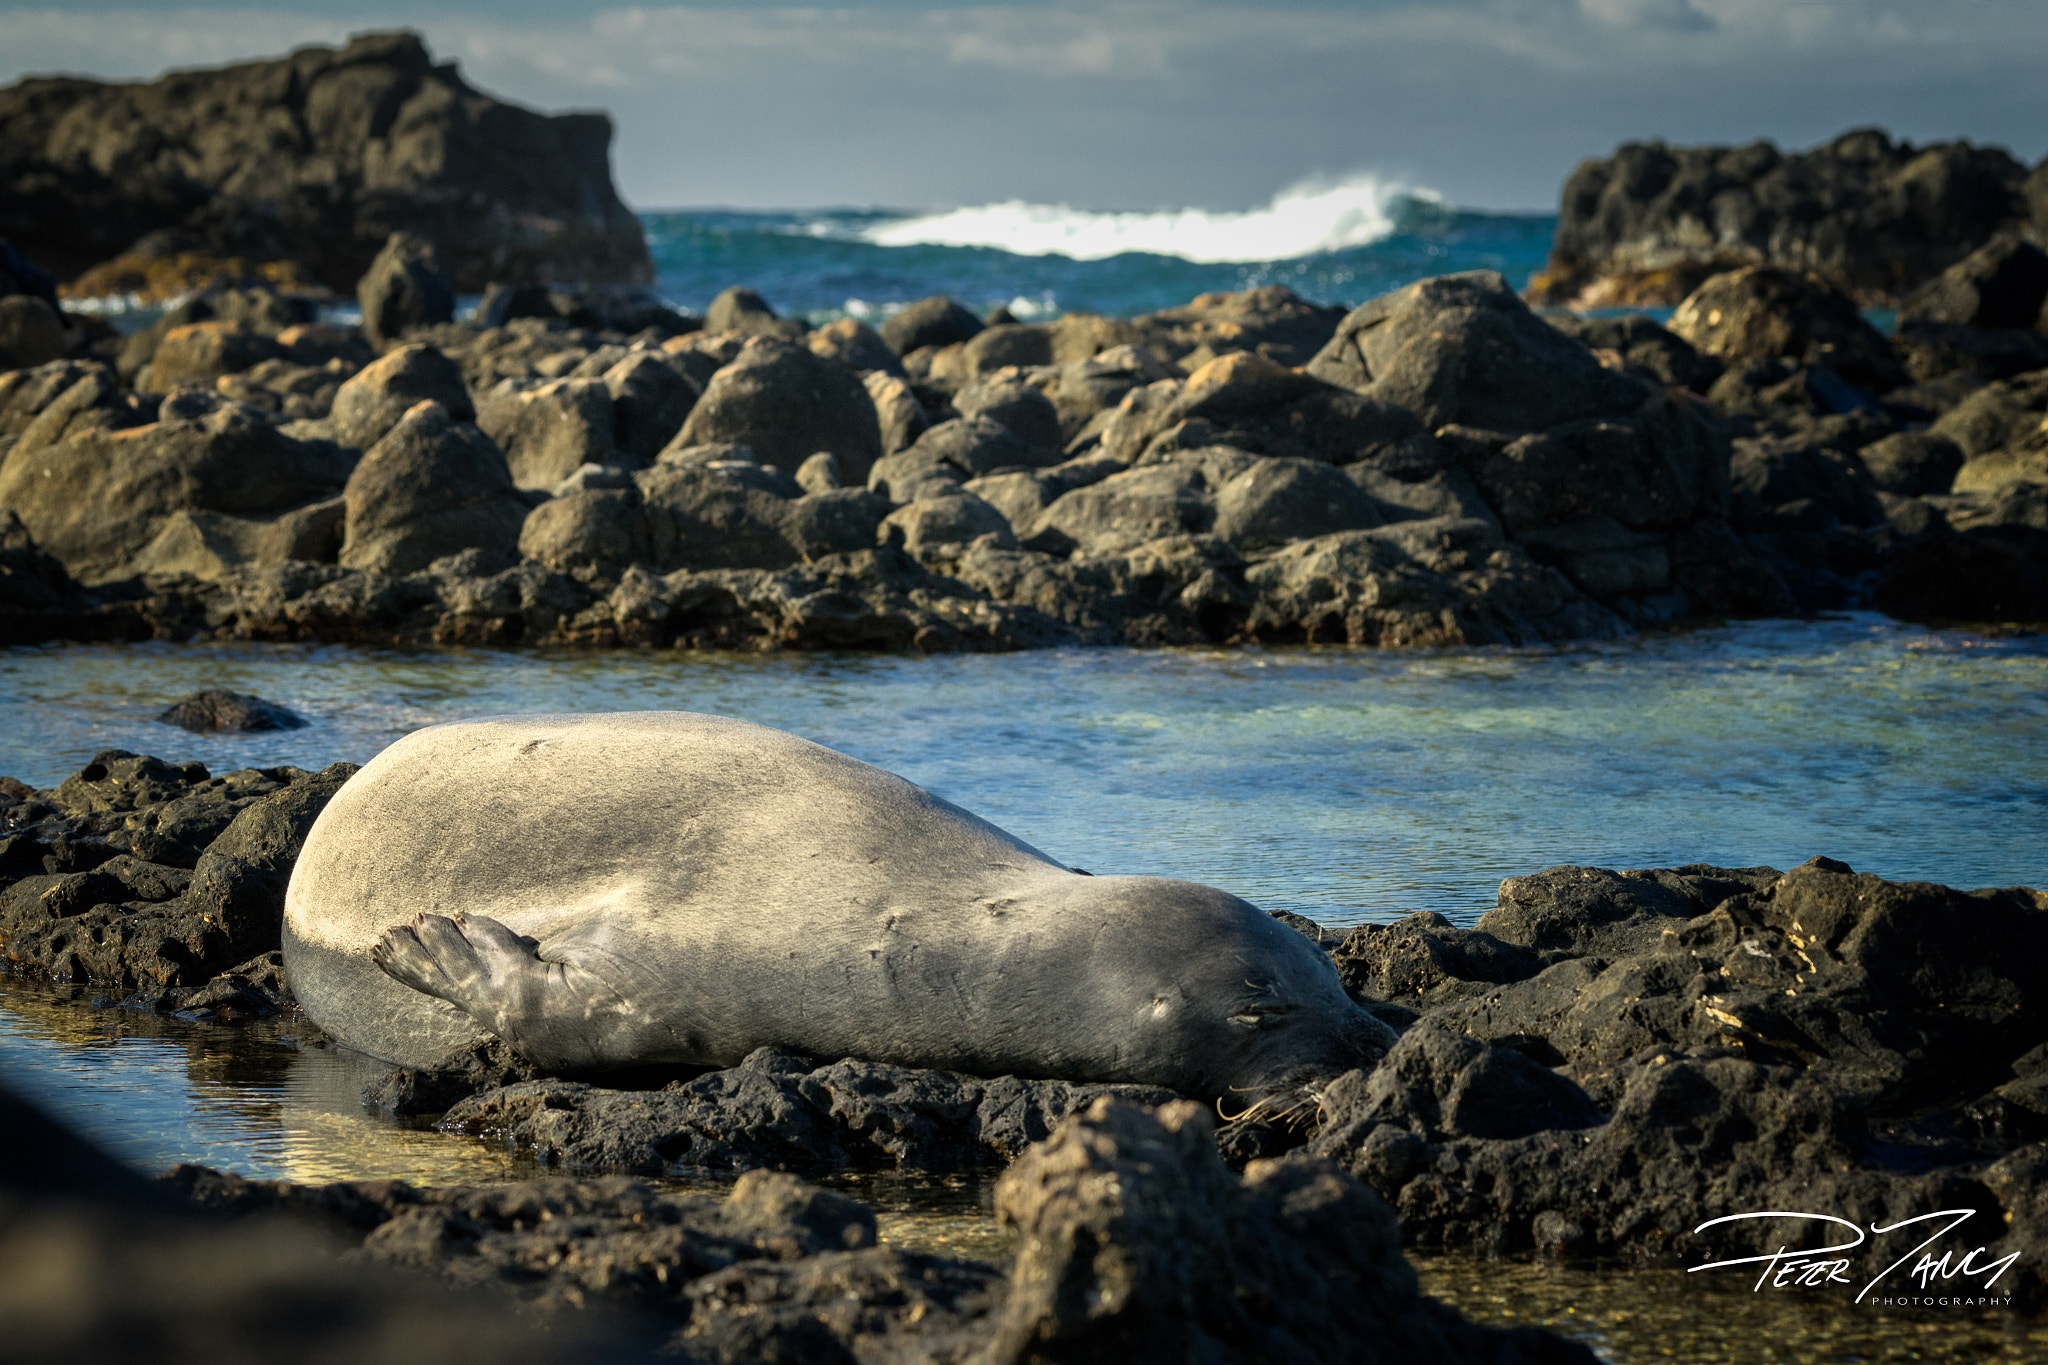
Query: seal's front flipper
{"type": "Point", "coordinates": [558, 1013]}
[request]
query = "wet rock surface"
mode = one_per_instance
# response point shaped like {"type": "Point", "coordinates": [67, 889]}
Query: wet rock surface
{"type": "Point", "coordinates": [236, 712]}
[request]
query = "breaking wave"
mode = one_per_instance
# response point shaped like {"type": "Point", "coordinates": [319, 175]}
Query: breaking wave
{"type": "Point", "coordinates": [1305, 220]}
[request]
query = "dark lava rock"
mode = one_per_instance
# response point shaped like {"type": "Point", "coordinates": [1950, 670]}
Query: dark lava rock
{"type": "Point", "coordinates": [143, 876]}
{"type": "Point", "coordinates": [236, 712]}
{"type": "Point", "coordinates": [1763, 313]}
{"type": "Point", "coordinates": [1465, 348]}
{"type": "Point", "coordinates": [1645, 1051]}
{"type": "Point", "coordinates": [403, 144]}
{"type": "Point", "coordinates": [936, 321]}
{"type": "Point", "coordinates": [778, 1110]}
{"type": "Point", "coordinates": [2001, 284]}
{"type": "Point", "coordinates": [1875, 217]}
{"type": "Point", "coordinates": [97, 1263]}
{"type": "Point", "coordinates": [1137, 1243]}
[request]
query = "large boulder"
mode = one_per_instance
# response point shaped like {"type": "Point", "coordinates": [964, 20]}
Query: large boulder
{"type": "Point", "coordinates": [1024, 409]}
{"type": "Point", "coordinates": [787, 404]}
{"type": "Point", "coordinates": [651, 397]}
{"type": "Point", "coordinates": [1875, 217]}
{"type": "Point", "coordinates": [548, 431]}
{"type": "Point", "coordinates": [1006, 344]}
{"type": "Point", "coordinates": [432, 486]}
{"type": "Point", "coordinates": [395, 143]}
{"type": "Point", "coordinates": [1763, 313]}
{"type": "Point", "coordinates": [599, 531]}
{"type": "Point", "coordinates": [1135, 1242]}
{"type": "Point", "coordinates": [1465, 348]}
{"type": "Point", "coordinates": [403, 289]}
{"type": "Point", "coordinates": [855, 345]}
{"type": "Point", "coordinates": [725, 514]}
{"type": "Point", "coordinates": [374, 398]}
{"type": "Point", "coordinates": [935, 321]}
{"type": "Point", "coordinates": [97, 500]}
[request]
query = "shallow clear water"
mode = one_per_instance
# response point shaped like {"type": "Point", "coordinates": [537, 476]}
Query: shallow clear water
{"type": "Point", "coordinates": [1348, 785]}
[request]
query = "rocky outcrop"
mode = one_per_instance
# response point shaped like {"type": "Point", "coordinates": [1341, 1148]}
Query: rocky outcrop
{"type": "Point", "coordinates": [1873, 217]}
{"type": "Point", "coordinates": [317, 158]}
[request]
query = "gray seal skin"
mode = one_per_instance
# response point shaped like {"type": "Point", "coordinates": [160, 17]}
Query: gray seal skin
{"type": "Point", "coordinates": [604, 891]}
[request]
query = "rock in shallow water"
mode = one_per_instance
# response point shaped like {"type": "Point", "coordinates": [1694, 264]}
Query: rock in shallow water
{"type": "Point", "coordinates": [236, 712]}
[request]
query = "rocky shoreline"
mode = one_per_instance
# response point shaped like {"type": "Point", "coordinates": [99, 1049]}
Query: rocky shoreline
{"type": "Point", "coordinates": [1601, 1064]}
{"type": "Point", "coordinates": [1440, 466]}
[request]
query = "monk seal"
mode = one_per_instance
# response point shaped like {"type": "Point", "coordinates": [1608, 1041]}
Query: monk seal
{"type": "Point", "coordinates": [603, 891]}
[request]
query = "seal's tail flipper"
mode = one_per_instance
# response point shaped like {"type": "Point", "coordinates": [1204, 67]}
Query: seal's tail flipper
{"type": "Point", "coordinates": [558, 1013]}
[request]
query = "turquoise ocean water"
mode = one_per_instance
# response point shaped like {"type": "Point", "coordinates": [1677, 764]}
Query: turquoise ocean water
{"type": "Point", "coordinates": [1041, 261]}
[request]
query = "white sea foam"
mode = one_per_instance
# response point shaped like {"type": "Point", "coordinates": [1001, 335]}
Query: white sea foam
{"type": "Point", "coordinates": [1306, 219]}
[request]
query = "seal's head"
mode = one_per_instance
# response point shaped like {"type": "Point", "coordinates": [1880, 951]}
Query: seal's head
{"type": "Point", "coordinates": [1216, 998]}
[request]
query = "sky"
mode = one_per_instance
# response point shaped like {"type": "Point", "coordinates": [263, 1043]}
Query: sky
{"type": "Point", "coordinates": [1149, 104]}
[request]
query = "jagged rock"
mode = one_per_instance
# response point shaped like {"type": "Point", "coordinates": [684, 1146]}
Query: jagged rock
{"type": "Point", "coordinates": [1277, 501]}
{"type": "Point", "coordinates": [183, 876]}
{"type": "Point", "coordinates": [221, 154]}
{"type": "Point", "coordinates": [855, 345]}
{"type": "Point", "coordinates": [404, 289]}
{"type": "Point", "coordinates": [1641, 347]}
{"type": "Point", "coordinates": [1440, 581]}
{"type": "Point", "coordinates": [898, 414]}
{"type": "Point", "coordinates": [142, 1264]}
{"type": "Point", "coordinates": [778, 1110]}
{"type": "Point", "coordinates": [1027, 412]}
{"type": "Point", "coordinates": [31, 332]}
{"type": "Point", "coordinates": [747, 313]}
{"type": "Point", "coordinates": [1693, 1042]}
{"type": "Point", "coordinates": [1137, 1243]}
{"type": "Point", "coordinates": [1912, 462]}
{"type": "Point", "coordinates": [946, 518]}
{"type": "Point", "coordinates": [1271, 321]}
{"type": "Point", "coordinates": [1005, 344]}
{"type": "Point", "coordinates": [600, 530]}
